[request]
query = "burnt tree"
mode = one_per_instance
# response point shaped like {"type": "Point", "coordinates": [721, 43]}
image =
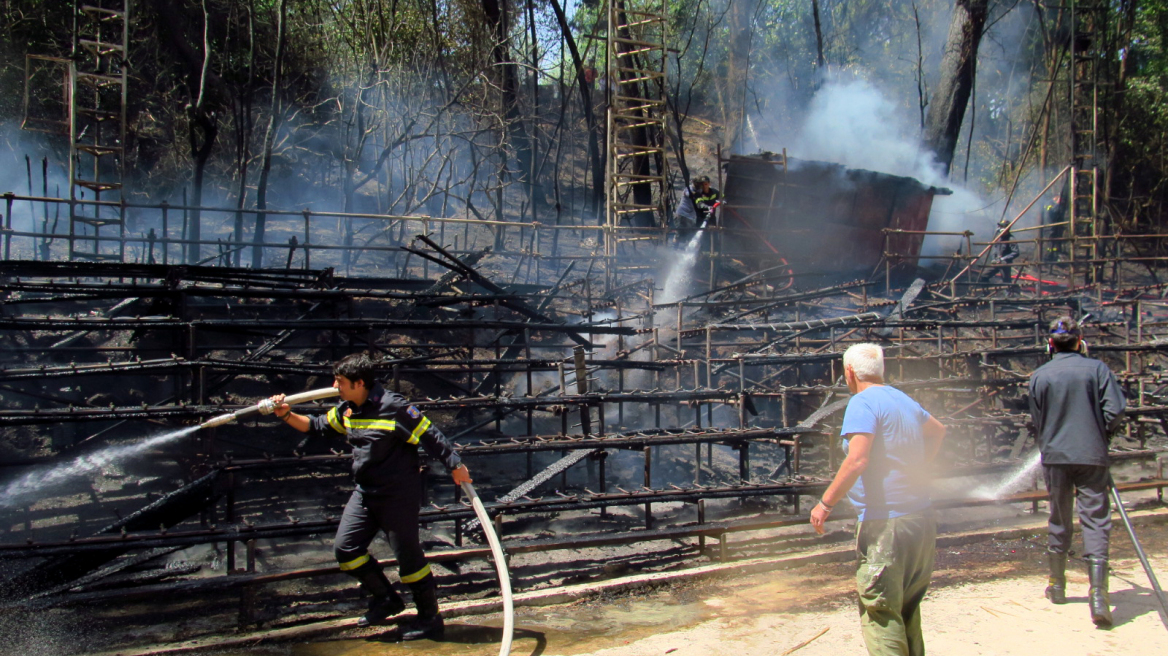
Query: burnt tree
{"type": "Point", "coordinates": [586, 102]}
{"type": "Point", "coordinates": [498, 18]}
{"type": "Point", "coordinates": [958, 68]}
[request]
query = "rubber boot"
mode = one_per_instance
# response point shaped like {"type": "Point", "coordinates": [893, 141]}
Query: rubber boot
{"type": "Point", "coordinates": [1056, 591]}
{"type": "Point", "coordinates": [429, 623]}
{"type": "Point", "coordinates": [1097, 597]}
{"type": "Point", "coordinates": [383, 602]}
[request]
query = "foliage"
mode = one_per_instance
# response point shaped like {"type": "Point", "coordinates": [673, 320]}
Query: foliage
{"type": "Point", "coordinates": [401, 106]}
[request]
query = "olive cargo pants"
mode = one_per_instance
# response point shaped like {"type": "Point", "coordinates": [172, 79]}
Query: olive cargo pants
{"type": "Point", "coordinates": [894, 565]}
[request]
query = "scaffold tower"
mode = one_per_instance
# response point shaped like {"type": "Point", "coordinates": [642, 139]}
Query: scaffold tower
{"type": "Point", "coordinates": [1088, 72]}
{"type": "Point", "coordinates": [637, 169]}
{"type": "Point", "coordinates": [97, 129]}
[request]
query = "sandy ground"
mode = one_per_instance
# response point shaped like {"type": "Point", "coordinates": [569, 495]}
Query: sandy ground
{"type": "Point", "coordinates": [991, 618]}
{"type": "Point", "coordinates": [1001, 611]}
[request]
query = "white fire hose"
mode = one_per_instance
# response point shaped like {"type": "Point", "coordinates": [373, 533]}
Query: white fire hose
{"type": "Point", "coordinates": [266, 407]}
{"type": "Point", "coordinates": [500, 568]}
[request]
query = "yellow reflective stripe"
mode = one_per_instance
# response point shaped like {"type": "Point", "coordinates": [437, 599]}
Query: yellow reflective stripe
{"type": "Point", "coordinates": [423, 426]}
{"type": "Point", "coordinates": [382, 424]}
{"type": "Point", "coordinates": [334, 420]}
{"type": "Point", "coordinates": [355, 563]}
{"type": "Point", "coordinates": [418, 575]}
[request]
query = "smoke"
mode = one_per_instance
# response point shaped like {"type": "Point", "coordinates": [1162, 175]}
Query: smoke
{"type": "Point", "coordinates": [855, 124]}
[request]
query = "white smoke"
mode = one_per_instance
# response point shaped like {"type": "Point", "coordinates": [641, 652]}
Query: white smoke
{"type": "Point", "coordinates": [852, 123]}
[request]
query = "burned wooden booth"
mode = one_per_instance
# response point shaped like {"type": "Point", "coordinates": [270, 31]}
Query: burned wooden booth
{"type": "Point", "coordinates": [822, 218]}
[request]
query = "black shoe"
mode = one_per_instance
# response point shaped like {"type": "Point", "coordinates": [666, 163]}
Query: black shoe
{"type": "Point", "coordinates": [380, 609]}
{"type": "Point", "coordinates": [424, 629]}
{"type": "Point", "coordinates": [1056, 590]}
{"type": "Point", "coordinates": [1097, 597]}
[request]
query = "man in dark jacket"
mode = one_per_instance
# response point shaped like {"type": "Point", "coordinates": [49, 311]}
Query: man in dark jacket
{"type": "Point", "coordinates": [1075, 403]}
{"type": "Point", "coordinates": [384, 430]}
{"type": "Point", "coordinates": [1053, 216]}
{"type": "Point", "coordinates": [1007, 252]}
{"type": "Point", "coordinates": [696, 210]}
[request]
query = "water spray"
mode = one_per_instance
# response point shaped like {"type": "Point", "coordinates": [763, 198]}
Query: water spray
{"type": "Point", "coordinates": [267, 407]}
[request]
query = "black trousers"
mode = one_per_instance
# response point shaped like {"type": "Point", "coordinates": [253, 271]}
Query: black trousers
{"type": "Point", "coordinates": [1089, 484]}
{"type": "Point", "coordinates": [398, 516]}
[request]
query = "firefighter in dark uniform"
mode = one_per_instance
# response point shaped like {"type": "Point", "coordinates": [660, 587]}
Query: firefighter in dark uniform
{"type": "Point", "coordinates": [385, 431]}
{"type": "Point", "coordinates": [704, 198]}
{"type": "Point", "coordinates": [1007, 252]}
{"type": "Point", "coordinates": [1075, 403]}
{"type": "Point", "coordinates": [697, 208]}
{"type": "Point", "coordinates": [1051, 214]}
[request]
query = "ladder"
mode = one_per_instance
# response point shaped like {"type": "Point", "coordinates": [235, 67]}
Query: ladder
{"type": "Point", "coordinates": [97, 130]}
{"type": "Point", "coordinates": [1089, 20]}
{"type": "Point", "coordinates": [636, 163]}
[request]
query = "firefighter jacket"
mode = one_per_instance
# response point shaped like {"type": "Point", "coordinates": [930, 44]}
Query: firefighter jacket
{"type": "Point", "coordinates": [1075, 403]}
{"type": "Point", "coordinates": [1007, 250]}
{"type": "Point", "coordinates": [703, 202]}
{"type": "Point", "coordinates": [385, 432]}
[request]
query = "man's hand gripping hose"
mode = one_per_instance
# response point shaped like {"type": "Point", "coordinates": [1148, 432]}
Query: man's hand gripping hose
{"type": "Point", "coordinates": [267, 406]}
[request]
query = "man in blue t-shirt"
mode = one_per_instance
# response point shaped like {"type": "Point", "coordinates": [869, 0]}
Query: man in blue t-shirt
{"type": "Point", "coordinates": [889, 442]}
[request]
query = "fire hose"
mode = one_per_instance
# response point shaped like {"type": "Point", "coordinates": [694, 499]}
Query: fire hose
{"type": "Point", "coordinates": [267, 407]}
{"type": "Point", "coordinates": [1140, 552]}
{"type": "Point", "coordinates": [500, 568]}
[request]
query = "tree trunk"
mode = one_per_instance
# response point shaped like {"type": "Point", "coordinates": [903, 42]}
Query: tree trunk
{"type": "Point", "coordinates": [507, 78]}
{"type": "Point", "coordinates": [820, 60]}
{"type": "Point", "coordinates": [594, 155]}
{"type": "Point", "coordinates": [958, 69]}
{"type": "Point", "coordinates": [204, 123]}
{"type": "Point", "coordinates": [257, 249]}
{"type": "Point", "coordinates": [732, 85]}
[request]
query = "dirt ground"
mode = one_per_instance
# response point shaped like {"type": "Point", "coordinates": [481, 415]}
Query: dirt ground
{"type": "Point", "coordinates": [986, 599]}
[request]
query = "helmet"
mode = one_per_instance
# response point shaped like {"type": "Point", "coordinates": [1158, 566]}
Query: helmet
{"type": "Point", "coordinates": [702, 179]}
{"type": "Point", "coordinates": [1003, 223]}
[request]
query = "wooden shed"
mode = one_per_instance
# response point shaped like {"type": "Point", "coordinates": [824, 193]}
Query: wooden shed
{"type": "Point", "coordinates": [822, 217]}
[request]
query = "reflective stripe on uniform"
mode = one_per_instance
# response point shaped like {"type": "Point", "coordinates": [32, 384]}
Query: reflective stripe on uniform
{"type": "Point", "coordinates": [381, 424]}
{"type": "Point", "coordinates": [355, 563]}
{"type": "Point", "coordinates": [334, 420]}
{"type": "Point", "coordinates": [417, 576]}
{"type": "Point", "coordinates": [423, 426]}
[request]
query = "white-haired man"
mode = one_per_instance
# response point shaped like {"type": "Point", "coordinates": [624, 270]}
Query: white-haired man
{"type": "Point", "coordinates": [889, 441]}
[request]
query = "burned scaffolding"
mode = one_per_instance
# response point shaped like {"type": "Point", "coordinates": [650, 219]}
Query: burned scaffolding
{"type": "Point", "coordinates": [610, 427]}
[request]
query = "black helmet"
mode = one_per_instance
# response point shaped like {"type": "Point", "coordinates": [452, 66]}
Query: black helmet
{"type": "Point", "coordinates": [1003, 223]}
{"type": "Point", "coordinates": [702, 179]}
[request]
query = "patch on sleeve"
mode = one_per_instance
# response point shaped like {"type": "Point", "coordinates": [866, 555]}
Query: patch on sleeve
{"type": "Point", "coordinates": [414, 412]}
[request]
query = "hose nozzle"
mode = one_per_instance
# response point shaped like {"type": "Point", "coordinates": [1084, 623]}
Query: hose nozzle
{"type": "Point", "coordinates": [218, 421]}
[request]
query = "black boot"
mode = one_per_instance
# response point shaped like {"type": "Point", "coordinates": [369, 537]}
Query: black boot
{"type": "Point", "coordinates": [1056, 591]}
{"type": "Point", "coordinates": [384, 602]}
{"type": "Point", "coordinates": [1097, 597]}
{"type": "Point", "coordinates": [429, 623]}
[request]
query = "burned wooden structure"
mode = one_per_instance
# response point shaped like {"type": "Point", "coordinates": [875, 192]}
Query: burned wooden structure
{"type": "Point", "coordinates": [593, 416]}
{"type": "Point", "coordinates": [823, 218]}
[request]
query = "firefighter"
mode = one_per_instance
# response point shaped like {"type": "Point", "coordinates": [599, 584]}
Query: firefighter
{"type": "Point", "coordinates": [385, 431]}
{"type": "Point", "coordinates": [1007, 252]}
{"type": "Point", "coordinates": [696, 208]}
{"type": "Point", "coordinates": [1076, 404]}
{"type": "Point", "coordinates": [1051, 214]}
